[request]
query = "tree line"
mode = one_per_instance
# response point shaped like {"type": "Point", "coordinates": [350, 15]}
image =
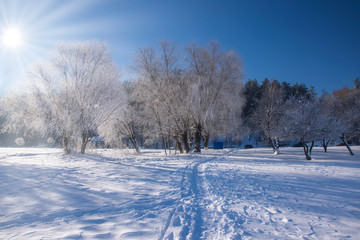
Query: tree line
{"type": "Point", "coordinates": [281, 112]}
{"type": "Point", "coordinates": [180, 98]}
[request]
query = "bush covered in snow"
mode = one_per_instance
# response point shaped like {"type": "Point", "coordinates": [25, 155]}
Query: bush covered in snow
{"type": "Point", "coordinates": [20, 141]}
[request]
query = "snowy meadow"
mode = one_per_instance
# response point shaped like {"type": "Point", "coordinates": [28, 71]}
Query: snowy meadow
{"type": "Point", "coordinates": [218, 194]}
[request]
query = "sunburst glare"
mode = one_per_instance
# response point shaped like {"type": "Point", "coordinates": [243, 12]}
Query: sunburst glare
{"type": "Point", "coordinates": [12, 37]}
{"type": "Point", "coordinates": [29, 30]}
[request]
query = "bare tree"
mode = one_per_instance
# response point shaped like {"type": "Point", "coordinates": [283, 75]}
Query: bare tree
{"type": "Point", "coordinates": [164, 89]}
{"type": "Point", "coordinates": [345, 106]}
{"type": "Point", "coordinates": [269, 113]}
{"type": "Point", "coordinates": [331, 127]}
{"type": "Point", "coordinates": [125, 122]}
{"type": "Point", "coordinates": [21, 114]}
{"type": "Point", "coordinates": [302, 121]}
{"type": "Point", "coordinates": [79, 85]}
{"type": "Point", "coordinates": [216, 82]}
{"type": "Point", "coordinates": [199, 97]}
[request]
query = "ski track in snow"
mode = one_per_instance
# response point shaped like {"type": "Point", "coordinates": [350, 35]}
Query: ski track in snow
{"type": "Point", "coordinates": [214, 205]}
{"type": "Point", "coordinates": [229, 194]}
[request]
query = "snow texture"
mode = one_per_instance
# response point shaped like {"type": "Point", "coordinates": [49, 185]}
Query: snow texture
{"type": "Point", "coordinates": [222, 194]}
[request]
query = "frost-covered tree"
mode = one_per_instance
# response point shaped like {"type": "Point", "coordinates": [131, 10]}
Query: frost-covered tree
{"type": "Point", "coordinates": [163, 89]}
{"type": "Point", "coordinates": [254, 112]}
{"type": "Point", "coordinates": [345, 106]}
{"type": "Point", "coordinates": [197, 97]}
{"type": "Point", "coordinates": [21, 114]}
{"type": "Point", "coordinates": [125, 122]}
{"type": "Point", "coordinates": [331, 127]}
{"type": "Point", "coordinates": [225, 120]}
{"type": "Point", "coordinates": [77, 89]}
{"type": "Point", "coordinates": [216, 77]}
{"type": "Point", "coordinates": [269, 113]}
{"type": "Point", "coordinates": [302, 121]}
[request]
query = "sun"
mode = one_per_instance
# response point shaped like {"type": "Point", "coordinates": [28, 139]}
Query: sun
{"type": "Point", "coordinates": [12, 38]}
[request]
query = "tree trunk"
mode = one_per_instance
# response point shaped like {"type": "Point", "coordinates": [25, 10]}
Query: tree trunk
{"type": "Point", "coordinates": [162, 134]}
{"type": "Point", "coordinates": [178, 144]}
{"type": "Point", "coordinates": [206, 138]}
{"type": "Point", "coordinates": [169, 142]}
{"type": "Point", "coordinates": [66, 147]}
{"type": "Point", "coordinates": [311, 147]}
{"type": "Point", "coordinates": [84, 142]}
{"type": "Point", "coordinates": [271, 144]}
{"type": "Point", "coordinates": [275, 146]}
{"type": "Point", "coordinates": [346, 144]}
{"type": "Point", "coordinates": [306, 150]}
{"type": "Point", "coordinates": [197, 147]}
{"type": "Point", "coordinates": [185, 140]}
{"type": "Point", "coordinates": [325, 144]}
{"type": "Point", "coordinates": [169, 145]}
{"type": "Point", "coordinates": [164, 144]}
{"type": "Point", "coordinates": [134, 143]}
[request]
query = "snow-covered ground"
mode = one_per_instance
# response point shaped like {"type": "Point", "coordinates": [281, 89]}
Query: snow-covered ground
{"type": "Point", "coordinates": [223, 194]}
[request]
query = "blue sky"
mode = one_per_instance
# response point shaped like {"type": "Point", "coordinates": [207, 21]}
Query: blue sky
{"type": "Point", "coordinates": [312, 42]}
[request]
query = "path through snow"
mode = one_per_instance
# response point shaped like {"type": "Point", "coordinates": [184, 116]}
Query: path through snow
{"type": "Point", "coordinates": [236, 197]}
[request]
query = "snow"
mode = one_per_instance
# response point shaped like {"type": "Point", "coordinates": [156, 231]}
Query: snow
{"type": "Point", "coordinates": [219, 194]}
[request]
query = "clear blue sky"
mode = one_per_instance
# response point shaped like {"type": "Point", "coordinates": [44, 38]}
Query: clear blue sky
{"type": "Point", "coordinates": [312, 42]}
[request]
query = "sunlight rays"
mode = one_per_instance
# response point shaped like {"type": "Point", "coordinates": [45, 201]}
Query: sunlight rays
{"type": "Point", "coordinates": [30, 29]}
